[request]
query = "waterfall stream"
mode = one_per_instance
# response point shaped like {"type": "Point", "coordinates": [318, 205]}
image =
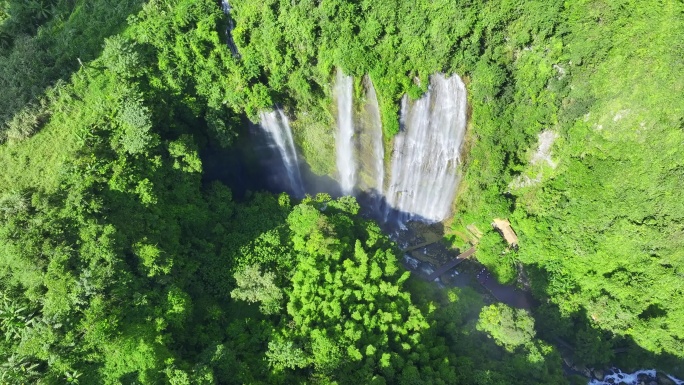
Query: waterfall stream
{"type": "Point", "coordinates": [373, 110]}
{"type": "Point", "coordinates": [370, 147]}
{"type": "Point", "coordinates": [277, 126]}
{"type": "Point", "coordinates": [650, 376]}
{"type": "Point", "coordinates": [426, 153]}
{"type": "Point", "coordinates": [346, 164]}
{"type": "Point", "coordinates": [225, 6]}
{"type": "Point", "coordinates": [423, 172]}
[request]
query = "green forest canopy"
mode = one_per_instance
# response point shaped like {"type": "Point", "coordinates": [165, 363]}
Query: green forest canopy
{"type": "Point", "coordinates": [119, 263]}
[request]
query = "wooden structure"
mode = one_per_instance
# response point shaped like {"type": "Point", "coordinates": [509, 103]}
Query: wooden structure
{"type": "Point", "coordinates": [450, 265]}
{"type": "Point", "coordinates": [504, 227]}
{"type": "Point", "coordinates": [418, 246]}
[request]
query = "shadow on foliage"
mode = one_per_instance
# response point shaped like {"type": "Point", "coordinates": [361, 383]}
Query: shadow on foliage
{"type": "Point", "coordinates": [478, 357]}
{"type": "Point", "coordinates": [242, 166]}
{"type": "Point", "coordinates": [253, 164]}
{"type": "Point", "coordinates": [584, 345]}
{"type": "Point", "coordinates": [190, 241]}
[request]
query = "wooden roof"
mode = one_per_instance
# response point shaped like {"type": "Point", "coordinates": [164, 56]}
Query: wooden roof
{"type": "Point", "coordinates": [504, 227]}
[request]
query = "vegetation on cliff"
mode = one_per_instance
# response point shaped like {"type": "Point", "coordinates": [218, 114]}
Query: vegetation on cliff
{"type": "Point", "coordinates": [121, 263]}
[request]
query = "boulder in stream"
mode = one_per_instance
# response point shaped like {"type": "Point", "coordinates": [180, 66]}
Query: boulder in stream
{"type": "Point", "coordinates": [599, 374]}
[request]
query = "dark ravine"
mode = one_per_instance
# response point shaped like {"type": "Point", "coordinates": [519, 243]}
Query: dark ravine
{"type": "Point", "coordinates": [420, 256]}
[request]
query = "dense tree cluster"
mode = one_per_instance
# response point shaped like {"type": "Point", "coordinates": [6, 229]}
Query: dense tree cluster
{"type": "Point", "coordinates": [120, 262]}
{"type": "Point", "coordinates": [601, 220]}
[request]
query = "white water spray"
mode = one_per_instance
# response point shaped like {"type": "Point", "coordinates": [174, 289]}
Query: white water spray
{"type": "Point", "coordinates": [370, 148]}
{"type": "Point", "coordinates": [277, 126]}
{"type": "Point", "coordinates": [346, 164]}
{"type": "Point", "coordinates": [639, 377]}
{"type": "Point", "coordinates": [225, 6]}
{"type": "Point", "coordinates": [426, 153]}
{"type": "Point", "coordinates": [373, 110]}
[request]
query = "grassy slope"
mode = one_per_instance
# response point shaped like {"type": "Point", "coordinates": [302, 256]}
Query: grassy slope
{"type": "Point", "coordinates": [39, 162]}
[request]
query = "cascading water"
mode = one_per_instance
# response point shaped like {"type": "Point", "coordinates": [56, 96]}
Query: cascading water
{"type": "Point", "coordinates": [370, 147]}
{"type": "Point", "coordinates": [376, 138]}
{"type": "Point", "coordinates": [225, 5]}
{"type": "Point", "coordinates": [426, 153]}
{"type": "Point", "coordinates": [346, 164]}
{"type": "Point", "coordinates": [277, 126]}
{"type": "Point", "coordinates": [639, 377]}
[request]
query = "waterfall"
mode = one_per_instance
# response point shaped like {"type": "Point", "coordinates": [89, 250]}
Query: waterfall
{"type": "Point", "coordinates": [370, 154]}
{"type": "Point", "coordinates": [423, 174]}
{"type": "Point", "coordinates": [373, 110]}
{"type": "Point", "coordinates": [277, 126]}
{"type": "Point", "coordinates": [346, 165]}
{"type": "Point", "coordinates": [426, 153]}
{"type": "Point", "coordinates": [225, 6]}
